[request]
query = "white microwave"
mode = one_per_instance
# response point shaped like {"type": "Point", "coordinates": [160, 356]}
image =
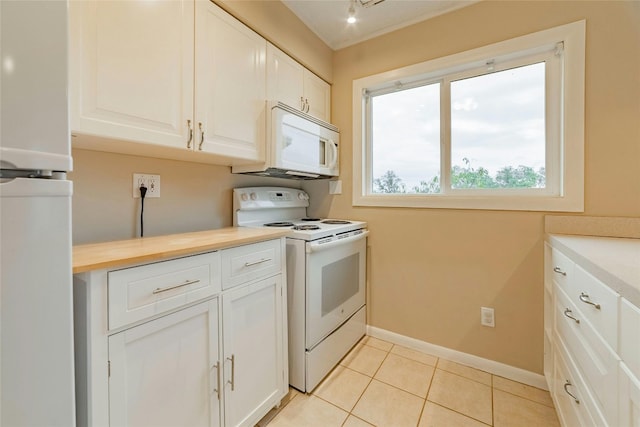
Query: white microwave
{"type": "Point", "coordinates": [299, 146]}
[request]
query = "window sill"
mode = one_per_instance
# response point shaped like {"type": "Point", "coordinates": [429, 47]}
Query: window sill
{"type": "Point", "coordinates": [510, 203]}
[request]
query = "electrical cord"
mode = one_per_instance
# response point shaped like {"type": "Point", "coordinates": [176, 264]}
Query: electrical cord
{"type": "Point", "coordinates": [143, 192]}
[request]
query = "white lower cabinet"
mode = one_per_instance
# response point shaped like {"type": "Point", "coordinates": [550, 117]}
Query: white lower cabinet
{"type": "Point", "coordinates": [253, 350]}
{"type": "Point", "coordinates": [197, 355]}
{"type": "Point", "coordinates": [595, 346]}
{"type": "Point", "coordinates": [629, 395]}
{"type": "Point", "coordinates": [164, 372]}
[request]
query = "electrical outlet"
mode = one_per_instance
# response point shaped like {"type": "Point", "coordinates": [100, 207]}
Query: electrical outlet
{"type": "Point", "coordinates": [487, 317]}
{"type": "Point", "coordinates": [152, 182]}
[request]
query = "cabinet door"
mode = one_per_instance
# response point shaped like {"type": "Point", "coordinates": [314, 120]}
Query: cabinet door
{"type": "Point", "coordinates": [317, 94]}
{"type": "Point", "coordinates": [629, 398]}
{"type": "Point", "coordinates": [131, 70]}
{"type": "Point", "coordinates": [253, 350]}
{"type": "Point", "coordinates": [230, 86]}
{"type": "Point", "coordinates": [285, 79]}
{"type": "Point", "coordinates": [163, 373]}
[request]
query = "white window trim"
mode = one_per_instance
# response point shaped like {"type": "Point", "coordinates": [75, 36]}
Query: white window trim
{"type": "Point", "coordinates": [570, 197]}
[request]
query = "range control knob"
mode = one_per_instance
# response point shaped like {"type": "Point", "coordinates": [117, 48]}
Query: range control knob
{"type": "Point", "coordinates": [244, 197]}
{"type": "Point", "coordinates": [253, 196]}
{"type": "Point", "coordinates": [301, 196]}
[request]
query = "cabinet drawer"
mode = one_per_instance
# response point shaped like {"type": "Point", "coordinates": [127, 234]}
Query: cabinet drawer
{"type": "Point", "coordinates": [630, 336]}
{"type": "Point", "coordinates": [597, 302]}
{"type": "Point", "coordinates": [140, 292]}
{"type": "Point", "coordinates": [574, 403]}
{"type": "Point", "coordinates": [597, 363]}
{"type": "Point", "coordinates": [250, 262]}
{"type": "Point", "coordinates": [561, 268]}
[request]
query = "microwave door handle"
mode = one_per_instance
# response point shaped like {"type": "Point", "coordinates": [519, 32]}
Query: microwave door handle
{"type": "Point", "coordinates": [317, 247]}
{"type": "Point", "coordinates": [334, 154]}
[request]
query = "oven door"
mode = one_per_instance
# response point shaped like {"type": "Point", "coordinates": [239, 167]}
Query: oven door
{"type": "Point", "coordinates": [335, 279]}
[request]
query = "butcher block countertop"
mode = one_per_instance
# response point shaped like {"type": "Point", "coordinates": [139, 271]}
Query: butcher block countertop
{"type": "Point", "coordinates": [95, 256]}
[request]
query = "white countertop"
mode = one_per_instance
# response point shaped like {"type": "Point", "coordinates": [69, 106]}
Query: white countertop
{"type": "Point", "coordinates": [614, 261]}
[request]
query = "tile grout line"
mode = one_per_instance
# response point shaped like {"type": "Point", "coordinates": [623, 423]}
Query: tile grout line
{"type": "Point", "coordinates": [429, 388]}
{"type": "Point", "coordinates": [493, 410]}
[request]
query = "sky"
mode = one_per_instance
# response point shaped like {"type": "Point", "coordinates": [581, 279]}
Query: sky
{"type": "Point", "coordinates": [497, 120]}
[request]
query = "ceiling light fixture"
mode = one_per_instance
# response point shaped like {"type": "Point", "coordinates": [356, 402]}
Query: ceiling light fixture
{"type": "Point", "coordinates": [351, 17]}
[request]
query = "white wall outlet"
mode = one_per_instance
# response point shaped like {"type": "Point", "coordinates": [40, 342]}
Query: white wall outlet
{"type": "Point", "coordinates": [487, 317]}
{"type": "Point", "coordinates": [335, 187]}
{"type": "Point", "coordinates": [152, 182]}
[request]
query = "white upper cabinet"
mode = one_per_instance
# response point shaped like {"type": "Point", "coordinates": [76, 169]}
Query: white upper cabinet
{"type": "Point", "coordinates": [131, 70]}
{"type": "Point", "coordinates": [291, 83]}
{"type": "Point", "coordinates": [317, 95]}
{"type": "Point", "coordinates": [230, 85]}
{"type": "Point", "coordinates": [179, 74]}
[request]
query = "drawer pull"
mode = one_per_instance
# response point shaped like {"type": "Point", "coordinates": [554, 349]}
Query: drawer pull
{"type": "Point", "coordinates": [233, 371]}
{"type": "Point", "coordinates": [566, 385]}
{"type": "Point", "coordinates": [168, 288]}
{"type": "Point", "coordinates": [249, 264]}
{"type": "Point", "coordinates": [585, 299]}
{"type": "Point", "coordinates": [559, 271]}
{"type": "Point", "coordinates": [568, 312]}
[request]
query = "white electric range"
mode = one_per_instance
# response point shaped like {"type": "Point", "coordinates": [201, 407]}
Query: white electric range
{"type": "Point", "coordinates": [326, 273]}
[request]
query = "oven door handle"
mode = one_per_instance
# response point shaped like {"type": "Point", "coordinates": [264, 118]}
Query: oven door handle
{"type": "Point", "coordinates": [318, 246]}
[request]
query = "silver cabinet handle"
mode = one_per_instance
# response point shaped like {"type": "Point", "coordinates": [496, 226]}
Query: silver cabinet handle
{"type": "Point", "coordinates": [201, 136]}
{"type": "Point", "coordinates": [190, 134]}
{"type": "Point", "coordinates": [559, 271]}
{"type": "Point", "coordinates": [566, 385]}
{"type": "Point", "coordinates": [306, 101]}
{"type": "Point", "coordinates": [168, 288]}
{"type": "Point", "coordinates": [233, 371]}
{"type": "Point", "coordinates": [568, 313]}
{"type": "Point", "coordinates": [302, 105]}
{"type": "Point", "coordinates": [585, 299]}
{"type": "Point", "coordinates": [217, 390]}
{"type": "Point", "coordinates": [249, 264]}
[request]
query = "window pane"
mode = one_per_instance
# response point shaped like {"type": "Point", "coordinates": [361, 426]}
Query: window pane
{"type": "Point", "coordinates": [498, 129]}
{"type": "Point", "coordinates": [405, 141]}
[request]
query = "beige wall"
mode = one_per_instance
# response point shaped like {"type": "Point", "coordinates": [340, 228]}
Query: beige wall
{"type": "Point", "coordinates": [431, 270]}
{"type": "Point", "coordinates": [193, 196]}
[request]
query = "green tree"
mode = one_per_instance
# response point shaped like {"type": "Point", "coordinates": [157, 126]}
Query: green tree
{"type": "Point", "coordinates": [520, 177]}
{"type": "Point", "coordinates": [389, 183]}
{"type": "Point", "coordinates": [431, 187]}
{"type": "Point", "coordinates": [468, 177]}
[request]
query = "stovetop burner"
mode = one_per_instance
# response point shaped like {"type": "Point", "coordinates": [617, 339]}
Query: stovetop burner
{"type": "Point", "coordinates": [279, 224]}
{"type": "Point", "coordinates": [306, 227]}
{"type": "Point", "coordinates": [336, 221]}
{"type": "Point", "coordinates": [309, 219]}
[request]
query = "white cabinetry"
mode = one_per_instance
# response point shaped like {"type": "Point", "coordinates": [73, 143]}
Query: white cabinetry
{"type": "Point", "coordinates": [157, 370]}
{"type": "Point", "coordinates": [253, 350]}
{"type": "Point", "coordinates": [180, 74]}
{"type": "Point", "coordinates": [592, 345]}
{"type": "Point", "coordinates": [230, 86]}
{"type": "Point", "coordinates": [291, 83]}
{"type": "Point", "coordinates": [629, 374]}
{"type": "Point", "coordinates": [163, 344]}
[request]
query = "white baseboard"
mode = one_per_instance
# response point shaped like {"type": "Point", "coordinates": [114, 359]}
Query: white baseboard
{"type": "Point", "coordinates": [491, 366]}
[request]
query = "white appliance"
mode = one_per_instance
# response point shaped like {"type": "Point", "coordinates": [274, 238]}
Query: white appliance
{"type": "Point", "coordinates": [326, 267]}
{"type": "Point", "coordinates": [299, 146]}
{"type": "Point", "coordinates": [36, 327]}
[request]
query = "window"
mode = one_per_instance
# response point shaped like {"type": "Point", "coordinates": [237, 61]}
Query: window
{"type": "Point", "coordinates": [499, 127]}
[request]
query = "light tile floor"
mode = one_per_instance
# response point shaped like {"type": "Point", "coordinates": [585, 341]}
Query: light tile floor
{"type": "Point", "coordinates": [386, 385]}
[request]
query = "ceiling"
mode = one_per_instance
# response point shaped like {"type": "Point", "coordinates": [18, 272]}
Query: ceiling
{"type": "Point", "coordinates": [328, 18]}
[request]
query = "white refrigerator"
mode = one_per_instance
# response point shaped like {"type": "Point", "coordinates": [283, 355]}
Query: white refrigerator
{"type": "Point", "coordinates": [36, 311]}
